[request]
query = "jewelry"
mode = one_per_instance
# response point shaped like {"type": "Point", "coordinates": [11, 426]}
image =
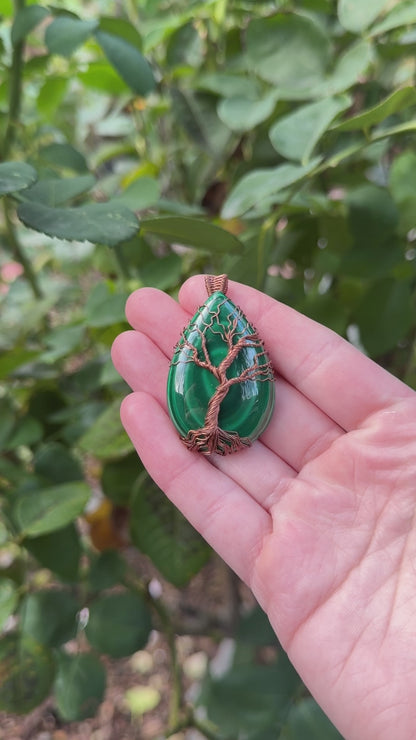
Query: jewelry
{"type": "Point", "coordinates": [221, 382]}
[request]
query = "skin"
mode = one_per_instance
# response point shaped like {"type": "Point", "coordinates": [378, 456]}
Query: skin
{"type": "Point", "coordinates": [317, 517]}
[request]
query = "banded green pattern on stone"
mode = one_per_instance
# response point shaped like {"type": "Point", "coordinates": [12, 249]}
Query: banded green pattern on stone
{"type": "Point", "coordinates": [194, 376]}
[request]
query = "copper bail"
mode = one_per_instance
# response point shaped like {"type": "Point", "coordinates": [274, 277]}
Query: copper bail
{"type": "Point", "coordinates": [213, 283]}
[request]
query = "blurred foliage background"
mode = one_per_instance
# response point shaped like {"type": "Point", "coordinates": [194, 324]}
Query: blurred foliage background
{"type": "Point", "coordinates": [143, 141]}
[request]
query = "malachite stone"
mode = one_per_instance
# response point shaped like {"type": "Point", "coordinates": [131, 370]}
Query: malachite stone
{"type": "Point", "coordinates": [221, 384]}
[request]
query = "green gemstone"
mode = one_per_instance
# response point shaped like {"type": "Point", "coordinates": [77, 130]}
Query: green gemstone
{"type": "Point", "coordinates": [221, 384]}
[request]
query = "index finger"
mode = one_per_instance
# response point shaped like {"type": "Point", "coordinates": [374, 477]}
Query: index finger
{"type": "Point", "coordinates": [327, 369]}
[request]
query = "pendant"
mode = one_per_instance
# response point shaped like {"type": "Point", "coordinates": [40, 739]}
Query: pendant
{"type": "Point", "coordinates": [221, 383]}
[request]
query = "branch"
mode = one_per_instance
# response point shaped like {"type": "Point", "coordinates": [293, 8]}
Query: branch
{"type": "Point", "coordinates": [204, 726]}
{"type": "Point", "coordinates": [19, 253]}
{"type": "Point", "coordinates": [206, 364]}
{"type": "Point", "coordinates": [15, 94]}
{"type": "Point", "coordinates": [176, 696]}
{"type": "Point", "coordinates": [252, 340]}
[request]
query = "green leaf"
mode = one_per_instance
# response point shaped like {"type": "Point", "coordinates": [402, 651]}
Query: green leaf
{"type": "Point", "coordinates": [11, 361]}
{"type": "Point", "coordinates": [101, 223]}
{"type": "Point", "coordinates": [384, 315]}
{"type": "Point", "coordinates": [49, 617]}
{"type": "Point", "coordinates": [402, 14]}
{"type": "Point", "coordinates": [59, 551]}
{"type": "Point", "coordinates": [350, 66]}
{"type": "Point", "coordinates": [306, 719]}
{"type": "Point", "coordinates": [11, 474]}
{"type": "Point", "coordinates": [401, 128]}
{"type": "Point", "coordinates": [327, 309]}
{"type": "Point", "coordinates": [9, 599]}
{"type": "Point", "coordinates": [288, 50]}
{"type": "Point", "coordinates": [106, 570]}
{"type": "Point", "coordinates": [106, 437]}
{"type": "Point", "coordinates": [295, 135]}
{"type": "Point", "coordinates": [27, 432]}
{"type": "Point", "coordinates": [162, 273]}
{"type": "Point", "coordinates": [140, 194]}
{"type": "Point", "coordinates": [101, 77]}
{"type": "Point", "coordinates": [26, 673]}
{"type": "Point", "coordinates": [372, 221]}
{"type": "Point", "coordinates": [355, 15]}
{"type": "Point", "coordinates": [255, 629]}
{"type": "Point", "coordinates": [16, 176]}
{"type": "Point", "coordinates": [63, 156]}
{"type": "Point", "coordinates": [160, 531]}
{"type": "Point", "coordinates": [229, 86]}
{"type": "Point", "coordinates": [250, 697]}
{"type": "Point", "coordinates": [193, 232]}
{"type": "Point", "coordinates": [61, 342]}
{"type": "Point", "coordinates": [26, 20]}
{"type": "Point", "coordinates": [8, 420]}
{"type": "Point", "coordinates": [79, 686]}
{"type": "Point", "coordinates": [372, 215]}
{"type": "Point", "coordinates": [122, 28]}
{"type": "Point", "coordinates": [41, 511]}
{"type": "Point", "coordinates": [197, 113]}
{"type": "Point", "coordinates": [44, 403]}
{"type": "Point", "coordinates": [244, 114]}
{"type": "Point", "coordinates": [65, 34]}
{"type": "Point", "coordinates": [397, 101]}
{"type": "Point", "coordinates": [258, 185]}
{"type": "Point", "coordinates": [119, 624]}
{"type": "Point", "coordinates": [119, 476]}
{"type": "Point", "coordinates": [4, 533]}
{"type": "Point", "coordinates": [186, 47]}
{"type": "Point", "coordinates": [128, 61]}
{"type": "Point", "coordinates": [50, 95]}
{"type": "Point", "coordinates": [403, 189]}
{"type": "Point", "coordinates": [56, 464]}
{"type": "Point", "coordinates": [54, 191]}
{"type": "Point", "coordinates": [402, 178]}
{"type": "Point", "coordinates": [104, 307]}
{"type": "Point", "coordinates": [6, 8]}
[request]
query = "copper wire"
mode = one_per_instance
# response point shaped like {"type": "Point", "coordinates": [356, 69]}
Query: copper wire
{"type": "Point", "coordinates": [213, 283]}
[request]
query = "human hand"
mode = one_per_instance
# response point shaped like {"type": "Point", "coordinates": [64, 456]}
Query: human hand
{"type": "Point", "coordinates": [317, 517]}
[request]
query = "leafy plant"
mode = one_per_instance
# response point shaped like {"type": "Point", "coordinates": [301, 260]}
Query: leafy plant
{"type": "Point", "coordinates": [275, 142]}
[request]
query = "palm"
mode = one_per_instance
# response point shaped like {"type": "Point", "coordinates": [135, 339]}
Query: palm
{"type": "Point", "coordinates": [317, 517]}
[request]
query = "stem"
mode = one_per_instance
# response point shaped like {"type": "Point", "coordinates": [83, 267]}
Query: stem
{"type": "Point", "coordinates": [267, 227]}
{"type": "Point", "coordinates": [176, 697]}
{"type": "Point", "coordinates": [206, 728]}
{"type": "Point", "coordinates": [15, 94]}
{"type": "Point", "coordinates": [19, 253]}
{"type": "Point", "coordinates": [15, 97]}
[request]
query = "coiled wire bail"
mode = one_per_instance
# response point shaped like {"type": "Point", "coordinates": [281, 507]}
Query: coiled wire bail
{"type": "Point", "coordinates": [214, 283]}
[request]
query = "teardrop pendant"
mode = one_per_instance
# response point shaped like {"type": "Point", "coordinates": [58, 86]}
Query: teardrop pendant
{"type": "Point", "coordinates": [221, 383]}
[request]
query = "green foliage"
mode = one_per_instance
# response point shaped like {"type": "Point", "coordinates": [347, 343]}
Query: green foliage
{"type": "Point", "coordinates": [79, 685]}
{"type": "Point", "coordinates": [44, 510]}
{"type": "Point", "coordinates": [97, 222]}
{"type": "Point", "coordinates": [48, 616]}
{"type": "Point", "coordinates": [259, 700]}
{"type": "Point", "coordinates": [26, 673]}
{"type": "Point", "coordinates": [160, 531]}
{"type": "Point", "coordinates": [16, 176]}
{"type": "Point", "coordinates": [119, 624]}
{"type": "Point", "coordinates": [271, 141]}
